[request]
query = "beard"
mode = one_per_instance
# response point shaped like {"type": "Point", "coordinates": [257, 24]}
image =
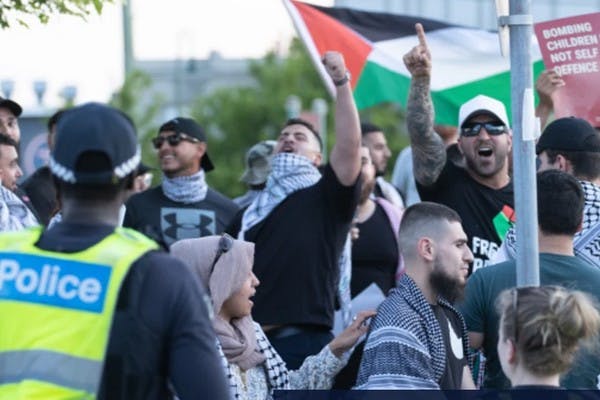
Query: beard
{"type": "Point", "coordinates": [488, 168]}
{"type": "Point", "coordinates": [448, 287]}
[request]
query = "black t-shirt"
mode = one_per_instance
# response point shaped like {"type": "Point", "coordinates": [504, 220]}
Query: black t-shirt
{"type": "Point", "coordinates": [374, 254]}
{"type": "Point", "coordinates": [297, 250]}
{"type": "Point", "coordinates": [455, 357]}
{"type": "Point", "coordinates": [41, 191]}
{"type": "Point", "coordinates": [161, 330]}
{"type": "Point", "coordinates": [166, 221]}
{"type": "Point", "coordinates": [486, 213]}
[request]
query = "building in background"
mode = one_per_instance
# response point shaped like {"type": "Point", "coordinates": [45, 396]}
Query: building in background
{"type": "Point", "coordinates": [180, 82]}
{"type": "Point", "coordinates": [477, 13]}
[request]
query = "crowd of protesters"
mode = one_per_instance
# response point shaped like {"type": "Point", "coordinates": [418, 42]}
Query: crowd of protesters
{"type": "Point", "coordinates": [323, 275]}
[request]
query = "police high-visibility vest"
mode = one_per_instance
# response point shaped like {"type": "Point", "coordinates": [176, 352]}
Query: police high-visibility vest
{"type": "Point", "coordinates": [56, 311]}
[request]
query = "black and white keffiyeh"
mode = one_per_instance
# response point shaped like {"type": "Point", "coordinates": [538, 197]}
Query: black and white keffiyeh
{"type": "Point", "coordinates": [277, 372]}
{"type": "Point", "coordinates": [14, 214]}
{"type": "Point", "coordinates": [289, 173]}
{"type": "Point", "coordinates": [586, 243]}
{"type": "Point", "coordinates": [185, 189]}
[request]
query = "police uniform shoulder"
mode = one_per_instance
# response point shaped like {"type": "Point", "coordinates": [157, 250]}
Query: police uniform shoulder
{"type": "Point", "coordinates": [135, 236]}
{"type": "Point", "coordinates": [23, 233]}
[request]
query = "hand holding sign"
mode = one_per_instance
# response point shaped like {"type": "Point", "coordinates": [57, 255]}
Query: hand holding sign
{"type": "Point", "coordinates": [547, 84]}
{"type": "Point", "coordinates": [569, 47]}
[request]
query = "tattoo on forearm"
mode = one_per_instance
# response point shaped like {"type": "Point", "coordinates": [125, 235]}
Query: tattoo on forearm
{"type": "Point", "coordinates": [429, 152]}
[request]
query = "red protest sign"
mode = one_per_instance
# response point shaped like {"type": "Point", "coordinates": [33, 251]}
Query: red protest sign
{"type": "Point", "coordinates": [570, 47]}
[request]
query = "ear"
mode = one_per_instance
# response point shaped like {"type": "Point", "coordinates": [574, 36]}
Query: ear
{"type": "Point", "coordinates": [509, 139]}
{"type": "Point", "coordinates": [564, 164]}
{"type": "Point", "coordinates": [512, 351]}
{"type": "Point", "coordinates": [426, 248]}
{"type": "Point", "coordinates": [318, 159]}
{"type": "Point", "coordinates": [201, 148]}
{"type": "Point", "coordinates": [459, 145]}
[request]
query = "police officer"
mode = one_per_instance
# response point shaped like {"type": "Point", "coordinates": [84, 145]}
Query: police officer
{"type": "Point", "coordinates": [91, 310]}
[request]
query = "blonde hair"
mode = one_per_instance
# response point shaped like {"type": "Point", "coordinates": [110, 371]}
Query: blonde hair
{"type": "Point", "coordinates": [549, 325]}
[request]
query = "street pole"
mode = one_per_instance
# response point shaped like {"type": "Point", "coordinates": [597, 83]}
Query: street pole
{"type": "Point", "coordinates": [319, 107]}
{"type": "Point", "coordinates": [293, 106]}
{"type": "Point", "coordinates": [127, 38]}
{"type": "Point", "coordinates": [520, 23]}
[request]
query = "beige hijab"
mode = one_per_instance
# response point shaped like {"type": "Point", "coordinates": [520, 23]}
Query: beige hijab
{"type": "Point", "coordinates": [237, 337]}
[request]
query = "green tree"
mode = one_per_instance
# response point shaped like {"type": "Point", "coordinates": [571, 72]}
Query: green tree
{"type": "Point", "coordinates": [12, 11]}
{"type": "Point", "coordinates": [237, 118]}
{"type": "Point", "coordinates": [135, 99]}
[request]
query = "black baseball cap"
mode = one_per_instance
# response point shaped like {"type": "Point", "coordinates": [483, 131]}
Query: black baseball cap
{"type": "Point", "coordinates": [569, 134]}
{"type": "Point", "coordinates": [11, 105]}
{"type": "Point", "coordinates": [89, 132]}
{"type": "Point", "coordinates": [190, 128]}
{"type": "Point", "coordinates": [142, 169]}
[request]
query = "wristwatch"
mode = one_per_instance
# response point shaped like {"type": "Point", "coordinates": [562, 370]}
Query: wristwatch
{"type": "Point", "coordinates": [344, 80]}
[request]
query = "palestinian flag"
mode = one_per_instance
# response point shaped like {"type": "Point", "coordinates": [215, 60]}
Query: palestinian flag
{"type": "Point", "coordinates": [466, 61]}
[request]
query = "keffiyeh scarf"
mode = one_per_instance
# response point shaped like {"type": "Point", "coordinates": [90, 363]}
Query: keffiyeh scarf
{"type": "Point", "coordinates": [289, 173]}
{"type": "Point", "coordinates": [185, 189]}
{"type": "Point", "coordinates": [14, 214]}
{"type": "Point", "coordinates": [586, 242]}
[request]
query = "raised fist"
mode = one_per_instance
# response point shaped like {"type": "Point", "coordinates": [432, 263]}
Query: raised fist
{"type": "Point", "coordinates": [335, 65]}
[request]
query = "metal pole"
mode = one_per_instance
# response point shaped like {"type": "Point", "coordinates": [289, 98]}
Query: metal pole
{"type": "Point", "coordinates": [524, 177]}
{"type": "Point", "coordinates": [293, 106]}
{"type": "Point", "coordinates": [127, 38]}
{"type": "Point", "coordinates": [319, 107]}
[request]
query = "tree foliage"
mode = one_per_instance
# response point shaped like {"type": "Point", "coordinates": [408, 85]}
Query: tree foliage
{"type": "Point", "coordinates": [134, 98]}
{"type": "Point", "coordinates": [18, 11]}
{"type": "Point", "coordinates": [237, 118]}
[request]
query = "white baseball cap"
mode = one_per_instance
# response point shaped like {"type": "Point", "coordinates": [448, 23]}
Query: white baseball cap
{"type": "Point", "coordinates": [482, 105]}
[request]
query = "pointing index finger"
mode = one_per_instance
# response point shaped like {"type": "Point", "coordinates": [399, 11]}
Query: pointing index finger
{"type": "Point", "coordinates": [421, 34]}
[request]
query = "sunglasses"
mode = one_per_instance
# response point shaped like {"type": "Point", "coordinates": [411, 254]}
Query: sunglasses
{"type": "Point", "coordinates": [225, 244]}
{"type": "Point", "coordinates": [493, 128]}
{"type": "Point", "coordinates": [173, 140]}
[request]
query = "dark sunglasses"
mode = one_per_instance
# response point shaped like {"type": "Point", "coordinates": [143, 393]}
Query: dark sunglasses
{"type": "Point", "coordinates": [473, 129]}
{"type": "Point", "coordinates": [173, 140]}
{"type": "Point", "coordinates": [225, 244]}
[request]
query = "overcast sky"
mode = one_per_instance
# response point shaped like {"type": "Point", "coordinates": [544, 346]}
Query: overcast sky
{"type": "Point", "coordinates": [89, 54]}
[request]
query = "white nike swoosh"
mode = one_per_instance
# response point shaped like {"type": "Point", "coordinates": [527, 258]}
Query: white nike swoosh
{"type": "Point", "coordinates": [455, 342]}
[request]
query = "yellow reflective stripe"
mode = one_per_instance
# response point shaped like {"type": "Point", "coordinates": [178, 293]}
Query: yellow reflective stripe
{"type": "Point", "coordinates": [48, 366]}
{"type": "Point", "coordinates": [74, 342]}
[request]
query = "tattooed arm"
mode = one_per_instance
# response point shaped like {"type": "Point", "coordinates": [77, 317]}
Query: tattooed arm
{"type": "Point", "coordinates": [429, 151]}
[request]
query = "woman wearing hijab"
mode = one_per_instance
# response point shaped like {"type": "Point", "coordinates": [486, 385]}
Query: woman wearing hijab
{"type": "Point", "coordinates": [541, 329]}
{"type": "Point", "coordinates": [253, 366]}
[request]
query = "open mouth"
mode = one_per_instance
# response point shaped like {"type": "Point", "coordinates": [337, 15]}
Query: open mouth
{"type": "Point", "coordinates": [485, 151]}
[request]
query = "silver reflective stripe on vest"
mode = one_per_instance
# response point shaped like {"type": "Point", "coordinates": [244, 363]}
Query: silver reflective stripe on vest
{"type": "Point", "coordinates": [48, 366]}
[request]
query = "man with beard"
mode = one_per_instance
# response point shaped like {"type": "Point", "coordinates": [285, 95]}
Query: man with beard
{"type": "Point", "coordinates": [299, 224]}
{"type": "Point", "coordinates": [560, 209]}
{"type": "Point", "coordinates": [374, 139]}
{"type": "Point", "coordinates": [375, 253]}
{"type": "Point", "coordinates": [418, 340]}
{"type": "Point", "coordinates": [481, 191]}
{"type": "Point", "coordinates": [375, 256]}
